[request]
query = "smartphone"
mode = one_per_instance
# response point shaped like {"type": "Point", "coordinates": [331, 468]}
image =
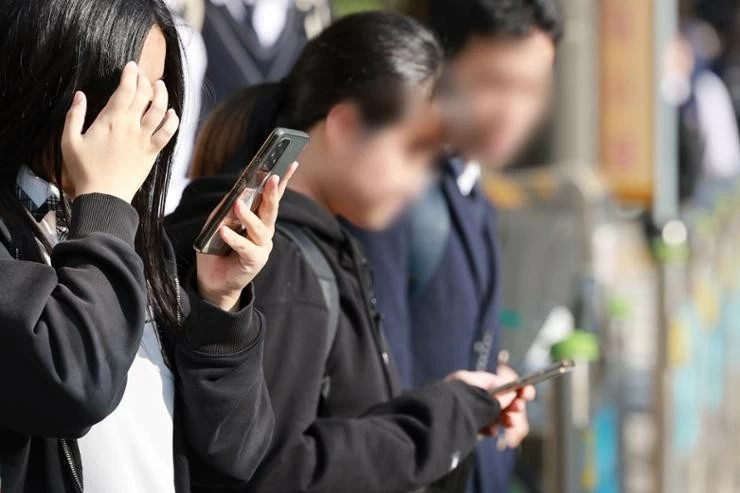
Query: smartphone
{"type": "Point", "coordinates": [556, 370]}
{"type": "Point", "coordinates": [279, 151]}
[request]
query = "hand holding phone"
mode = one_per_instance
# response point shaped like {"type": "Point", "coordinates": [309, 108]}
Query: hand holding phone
{"type": "Point", "coordinates": [275, 157]}
{"type": "Point", "coordinates": [221, 279]}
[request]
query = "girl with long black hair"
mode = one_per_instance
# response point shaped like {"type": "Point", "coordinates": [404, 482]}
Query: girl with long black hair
{"type": "Point", "coordinates": [114, 377]}
{"type": "Point", "coordinates": [365, 91]}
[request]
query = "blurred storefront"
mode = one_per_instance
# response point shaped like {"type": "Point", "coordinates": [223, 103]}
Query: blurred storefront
{"type": "Point", "coordinates": [602, 239]}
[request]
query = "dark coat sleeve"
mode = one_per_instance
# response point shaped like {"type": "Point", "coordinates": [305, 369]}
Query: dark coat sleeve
{"type": "Point", "coordinates": [70, 331]}
{"type": "Point", "coordinates": [397, 446]}
{"type": "Point", "coordinates": [222, 397]}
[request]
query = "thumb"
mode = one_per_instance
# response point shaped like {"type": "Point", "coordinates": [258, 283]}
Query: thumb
{"type": "Point", "coordinates": [75, 118]}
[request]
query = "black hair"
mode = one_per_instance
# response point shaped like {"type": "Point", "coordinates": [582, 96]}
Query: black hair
{"type": "Point", "coordinates": [48, 50]}
{"type": "Point", "coordinates": [456, 22]}
{"type": "Point", "coordinates": [379, 60]}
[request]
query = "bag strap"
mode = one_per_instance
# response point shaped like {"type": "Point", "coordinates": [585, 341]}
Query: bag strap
{"type": "Point", "coordinates": [6, 239]}
{"type": "Point", "coordinates": [320, 266]}
{"type": "Point", "coordinates": [430, 226]}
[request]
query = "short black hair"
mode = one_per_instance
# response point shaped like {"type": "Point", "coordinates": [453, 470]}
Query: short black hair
{"type": "Point", "coordinates": [455, 22]}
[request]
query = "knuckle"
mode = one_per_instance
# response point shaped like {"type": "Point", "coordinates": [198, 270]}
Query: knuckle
{"type": "Point", "coordinates": [127, 90]}
{"type": "Point", "coordinates": [159, 105]}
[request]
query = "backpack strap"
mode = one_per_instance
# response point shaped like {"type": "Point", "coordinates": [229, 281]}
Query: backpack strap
{"type": "Point", "coordinates": [430, 225]}
{"type": "Point", "coordinates": [6, 239]}
{"type": "Point", "coordinates": [320, 266]}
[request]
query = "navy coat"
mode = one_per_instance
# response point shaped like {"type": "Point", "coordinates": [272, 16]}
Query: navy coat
{"type": "Point", "coordinates": [452, 323]}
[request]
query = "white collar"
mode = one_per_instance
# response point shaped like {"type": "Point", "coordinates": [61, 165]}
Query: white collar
{"type": "Point", "coordinates": [469, 177]}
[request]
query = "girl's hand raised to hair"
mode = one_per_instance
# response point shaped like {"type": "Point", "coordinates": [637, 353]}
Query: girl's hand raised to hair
{"type": "Point", "coordinates": [222, 279]}
{"type": "Point", "coordinates": [116, 153]}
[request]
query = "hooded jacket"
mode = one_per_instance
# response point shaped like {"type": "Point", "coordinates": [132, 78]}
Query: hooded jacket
{"type": "Point", "coordinates": [75, 327]}
{"type": "Point", "coordinates": [342, 425]}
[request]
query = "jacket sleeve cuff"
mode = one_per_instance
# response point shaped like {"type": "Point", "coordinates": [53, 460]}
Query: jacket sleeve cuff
{"type": "Point", "coordinates": [101, 213]}
{"type": "Point", "coordinates": [483, 408]}
{"type": "Point", "coordinates": [216, 332]}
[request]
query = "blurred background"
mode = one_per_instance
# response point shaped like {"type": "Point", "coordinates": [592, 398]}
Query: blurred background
{"type": "Point", "coordinates": [619, 229]}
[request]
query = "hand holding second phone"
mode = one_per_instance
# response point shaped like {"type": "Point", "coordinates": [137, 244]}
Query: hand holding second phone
{"type": "Point", "coordinates": [509, 402]}
{"type": "Point", "coordinates": [117, 152]}
{"type": "Point", "coordinates": [222, 279]}
{"type": "Point", "coordinates": [514, 417]}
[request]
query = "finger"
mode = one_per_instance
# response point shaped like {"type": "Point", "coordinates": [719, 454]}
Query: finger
{"type": "Point", "coordinates": [268, 210]}
{"type": "Point", "coordinates": [143, 95]}
{"type": "Point", "coordinates": [517, 406]}
{"type": "Point", "coordinates": [256, 229]}
{"type": "Point", "coordinates": [528, 393]}
{"type": "Point", "coordinates": [124, 95]}
{"type": "Point", "coordinates": [166, 131]}
{"type": "Point", "coordinates": [75, 118]}
{"type": "Point", "coordinates": [154, 116]}
{"type": "Point", "coordinates": [243, 247]}
{"type": "Point", "coordinates": [509, 421]}
{"type": "Point", "coordinates": [286, 179]}
{"type": "Point", "coordinates": [506, 399]}
{"type": "Point", "coordinates": [490, 431]}
{"type": "Point", "coordinates": [507, 373]}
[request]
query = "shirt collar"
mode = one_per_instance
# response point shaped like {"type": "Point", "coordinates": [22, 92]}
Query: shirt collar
{"type": "Point", "coordinates": [468, 178]}
{"type": "Point", "coordinates": [38, 190]}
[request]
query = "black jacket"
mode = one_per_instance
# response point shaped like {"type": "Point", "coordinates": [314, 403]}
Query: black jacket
{"type": "Point", "coordinates": [364, 437]}
{"type": "Point", "coordinates": [74, 329]}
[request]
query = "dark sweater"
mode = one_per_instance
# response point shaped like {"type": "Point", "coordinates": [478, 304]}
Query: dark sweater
{"type": "Point", "coordinates": [73, 329]}
{"type": "Point", "coordinates": [365, 437]}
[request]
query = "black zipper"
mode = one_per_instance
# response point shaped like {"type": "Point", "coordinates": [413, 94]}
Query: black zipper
{"type": "Point", "coordinates": [72, 466]}
{"type": "Point", "coordinates": [365, 274]}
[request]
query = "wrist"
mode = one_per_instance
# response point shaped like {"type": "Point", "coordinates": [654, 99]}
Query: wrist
{"type": "Point", "coordinates": [228, 302]}
{"type": "Point", "coordinates": [101, 190]}
{"type": "Point", "coordinates": [84, 187]}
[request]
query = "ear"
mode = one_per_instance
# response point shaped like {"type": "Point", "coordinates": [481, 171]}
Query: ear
{"type": "Point", "coordinates": [343, 126]}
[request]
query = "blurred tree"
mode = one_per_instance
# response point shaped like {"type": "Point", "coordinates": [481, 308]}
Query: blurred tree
{"type": "Point", "coordinates": [344, 7]}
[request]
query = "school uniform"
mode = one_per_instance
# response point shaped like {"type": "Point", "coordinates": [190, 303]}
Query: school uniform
{"type": "Point", "coordinates": [96, 394]}
{"type": "Point", "coordinates": [254, 41]}
{"type": "Point", "coordinates": [342, 422]}
{"type": "Point", "coordinates": [451, 322]}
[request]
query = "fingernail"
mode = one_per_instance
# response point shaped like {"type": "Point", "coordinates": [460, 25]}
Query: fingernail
{"type": "Point", "coordinates": [131, 64]}
{"type": "Point", "coordinates": [78, 97]}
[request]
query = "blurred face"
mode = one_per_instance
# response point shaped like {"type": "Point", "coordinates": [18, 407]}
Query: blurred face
{"type": "Point", "coordinates": [381, 171]}
{"type": "Point", "coordinates": [506, 85]}
{"type": "Point", "coordinates": [153, 55]}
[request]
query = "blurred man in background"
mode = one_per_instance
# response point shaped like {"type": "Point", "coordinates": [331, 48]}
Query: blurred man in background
{"type": "Point", "coordinates": [437, 270]}
{"type": "Point", "coordinates": [255, 41]}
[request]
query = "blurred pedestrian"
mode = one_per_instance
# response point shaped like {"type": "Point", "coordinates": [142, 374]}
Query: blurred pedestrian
{"type": "Point", "coordinates": [255, 41]}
